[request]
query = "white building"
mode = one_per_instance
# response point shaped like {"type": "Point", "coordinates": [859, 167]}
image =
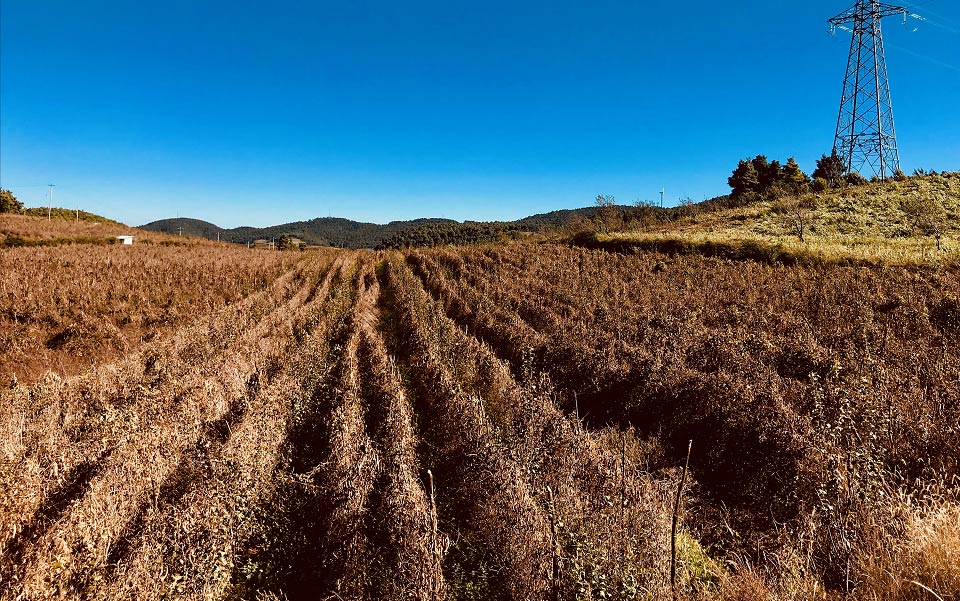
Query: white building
{"type": "Point", "coordinates": [127, 240]}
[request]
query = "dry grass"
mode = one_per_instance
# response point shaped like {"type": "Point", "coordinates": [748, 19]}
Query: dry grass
{"type": "Point", "coordinates": [505, 422]}
{"type": "Point", "coordinates": [32, 230]}
{"type": "Point", "coordinates": [37, 228]}
{"type": "Point", "coordinates": [64, 308]}
{"type": "Point", "coordinates": [816, 249]}
{"type": "Point", "coordinates": [810, 390]}
{"type": "Point", "coordinates": [921, 556]}
{"type": "Point", "coordinates": [96, 466]}
{"type": "Point", "coordinates": [864, 225]}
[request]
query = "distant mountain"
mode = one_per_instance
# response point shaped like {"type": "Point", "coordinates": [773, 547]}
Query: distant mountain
{"type": "Point", "coordinates": [323, 231]}
{"type": "Point", "coordinates": [184, 226]}
{"type": "Point", "coordinates": [344, 233]}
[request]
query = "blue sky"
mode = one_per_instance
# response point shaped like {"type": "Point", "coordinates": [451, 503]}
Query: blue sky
{"type": "Point", "coordinates": [255, 113]}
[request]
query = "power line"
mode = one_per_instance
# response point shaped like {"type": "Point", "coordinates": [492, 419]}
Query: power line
{"type": "Point", "coordinates": [937, 19]}
{"type": "Point", "coordinates": [929, 59]}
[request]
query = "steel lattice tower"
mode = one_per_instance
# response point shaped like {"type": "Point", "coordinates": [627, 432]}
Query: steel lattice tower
{"type": "Point", "coordinates": [865, 134]}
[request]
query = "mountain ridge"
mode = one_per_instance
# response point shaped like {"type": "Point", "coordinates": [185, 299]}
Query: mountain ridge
{"type": "Point", "coordinates": [346, 233]}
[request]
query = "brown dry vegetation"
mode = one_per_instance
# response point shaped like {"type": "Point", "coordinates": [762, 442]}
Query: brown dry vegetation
{"type": "Point", "coordinates": [65, 308]}
{"type": "Point", "coordinates": [504, 422]}
{"type": "Point", "coordinates": [32, 230]}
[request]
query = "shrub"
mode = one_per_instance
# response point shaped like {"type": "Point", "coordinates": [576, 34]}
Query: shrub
{"type": "Point", "coordinates": [855, 179]}
{"type": "Point", "coordinates": [9, 202]}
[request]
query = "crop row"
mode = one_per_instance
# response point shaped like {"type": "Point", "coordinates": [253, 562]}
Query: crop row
{"type": "Point", "coordinates": [813, 395]}
{"type": "Point", "coordinates": [63, 309]}
{"type": "Point", "coordinates": [97, 468]}
{"type": "Point", "coordinates": [503, 423]}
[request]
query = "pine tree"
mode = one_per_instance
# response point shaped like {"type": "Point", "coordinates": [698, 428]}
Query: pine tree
{"type": "Point", "coordinates": [762, 167]}
{"type": "Point", "coordinates": [794, 177]}
{"type": "Point", "coordinates": [744, 179]}
{"type": "Point", "coordinates": [770, 175]}
{"type": "Point", "coordinates": [831, 169]}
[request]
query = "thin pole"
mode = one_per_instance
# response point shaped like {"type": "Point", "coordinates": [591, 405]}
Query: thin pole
{"type": "Point", "coordinates": [50, 205]}
{"type": "Point", "coordinates": [673, 531]}
{"type": "Point", "coordinates": [555, 576]}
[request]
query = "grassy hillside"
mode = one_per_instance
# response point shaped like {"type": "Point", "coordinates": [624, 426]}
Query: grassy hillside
{"type": "Point", "coordinates": [17, 230]}
{"type": "Point", "coordinates": [70, 215]}
{"type": "Point", "coordinates": [870, 224]}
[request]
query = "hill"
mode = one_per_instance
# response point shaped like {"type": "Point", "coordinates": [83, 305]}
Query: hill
{"type": "Point", "coordinates": [556, 219]}
{"type": "Point", "coordinates": [323, 231]}
{"type": "Point", "coordinates": [183, 226]}
{"type": "Point", "coordinates": [70, 215]}
{"type": "Point", "coordinates": [345, 233]}
{"type": "Point", "coordinates": [891, 222]}
{"type": "Point", "coordinates": [29, 228]}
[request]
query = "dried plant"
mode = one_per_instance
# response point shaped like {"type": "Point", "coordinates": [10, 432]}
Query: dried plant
{"type": "Point", "coordinates": [500, 422]}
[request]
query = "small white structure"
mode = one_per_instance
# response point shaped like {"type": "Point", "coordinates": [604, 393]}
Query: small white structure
{"type": "Point", "coordinates": [127, 240]}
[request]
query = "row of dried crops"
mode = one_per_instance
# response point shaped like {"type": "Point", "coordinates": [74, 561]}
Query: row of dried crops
{"type": "Point", "coordinates": [65, 308]}
{"type": "Point", "coordinates": [823, 402]}
{"type": "Point", "coordinates": [503, 423]}
{"type": "Point", "coordinates": [118, 482]}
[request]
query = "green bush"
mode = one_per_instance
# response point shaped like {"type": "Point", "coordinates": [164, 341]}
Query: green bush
{"type": "Point", "coordinates": [9, 202]}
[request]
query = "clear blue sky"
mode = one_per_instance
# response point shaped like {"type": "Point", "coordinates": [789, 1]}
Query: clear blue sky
{"type": "Point", "coordinates": [257, 112]}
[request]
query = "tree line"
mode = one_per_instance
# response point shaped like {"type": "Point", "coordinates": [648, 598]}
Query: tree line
{"type": "Point", "coordinates": [456, 234]}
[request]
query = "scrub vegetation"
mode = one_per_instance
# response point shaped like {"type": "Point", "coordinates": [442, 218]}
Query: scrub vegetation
{"type": "Point", "coordinates": [906, 221]}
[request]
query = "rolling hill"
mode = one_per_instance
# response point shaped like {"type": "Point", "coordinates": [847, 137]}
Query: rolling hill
{"type": "Point", "coordinates": [344, 233]}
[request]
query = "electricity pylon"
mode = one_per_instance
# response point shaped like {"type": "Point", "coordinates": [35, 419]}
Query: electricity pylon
{"type": "Point", "coordinates": [865, 134]}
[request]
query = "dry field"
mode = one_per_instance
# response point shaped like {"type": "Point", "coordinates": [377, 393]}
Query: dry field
{"type": "Point", "coordinates": [65, 308]}
{"type": "Point", "coordinates": [502, 422]}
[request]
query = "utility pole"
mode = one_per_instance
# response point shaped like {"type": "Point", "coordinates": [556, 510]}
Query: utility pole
{"type": "Point", "coordinates": [180, 231]}
{"type": "Point", "coordinates": [50, 204]}
{"type": "Point", "coordinates": [865, 137]}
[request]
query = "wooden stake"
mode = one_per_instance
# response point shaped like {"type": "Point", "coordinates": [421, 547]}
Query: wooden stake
{"type": "Point", "coordinates": [676, 516]}
{"type": "Point", "coordinates": [436, 588]}
{"type": "Point", "coordinates": [555, 578]}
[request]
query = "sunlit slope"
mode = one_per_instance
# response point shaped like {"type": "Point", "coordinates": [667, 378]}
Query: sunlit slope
{"type": "Point", "coordinates": [876, 223]}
